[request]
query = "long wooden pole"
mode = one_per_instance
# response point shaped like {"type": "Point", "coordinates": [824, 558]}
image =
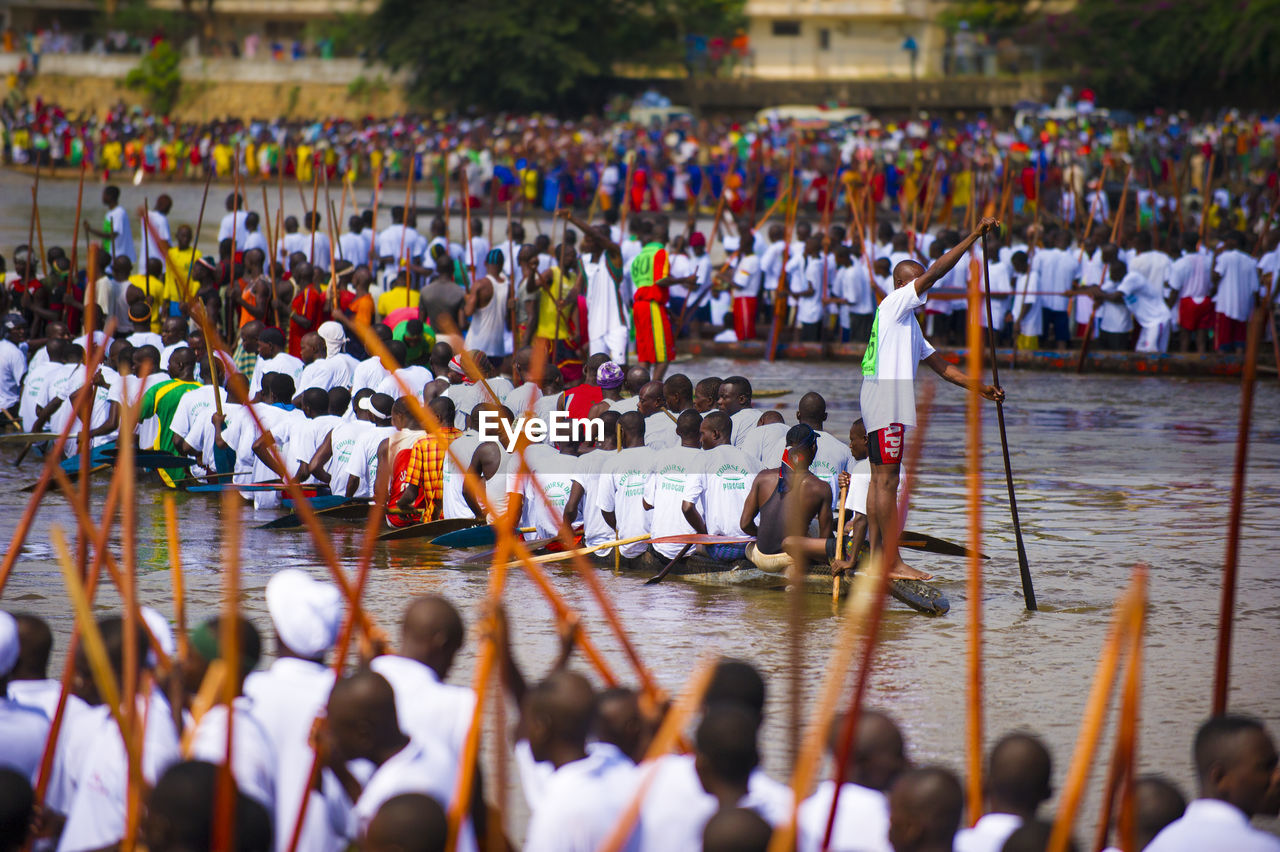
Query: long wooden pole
{"type": "Point", "coordinates": [1095, 713]}
{"type": "Point", "coordinates": [1226, 610]}
{"type": "Point", "coordinates": [31, 229]}
{"type": "Point", "coordinates": [780, 295]}
{"type": "Point", "coordinates": [889, 544]}
{"type": "Point", "coordinates": [973, 420]}
{"type": "Point", "coordinates": [224, 802]}
{"type": "Point", "coordinates": [1024, 571]}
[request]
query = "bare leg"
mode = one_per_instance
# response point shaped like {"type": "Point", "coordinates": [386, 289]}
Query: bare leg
{"type": "Point", "coordinates": [658, 370]}
{"type": "Point", "coordinates": [882, 514]}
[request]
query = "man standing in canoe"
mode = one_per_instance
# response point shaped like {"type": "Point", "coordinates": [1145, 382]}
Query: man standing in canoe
{"type": "Point", "coordinates": [651, 274]}
{"type": "Point", "coordinates": [893, 355]}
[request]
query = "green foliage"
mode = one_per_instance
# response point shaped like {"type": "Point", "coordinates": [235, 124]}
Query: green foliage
{"type": "Point", "coordinates": [1171, 53]}
{"type": "Point", "coordinates": [158, 76]}
{"type": "Point", "coordinates": [363, 89]}
{"type": "Point", "coordinates": [985, 14]}
{"type": "Point", "coordinates": [345, 32]}
{"type": "Point", "coordinates": [138, 16]}
{"type": "Point", "coordinates": [533, 54]}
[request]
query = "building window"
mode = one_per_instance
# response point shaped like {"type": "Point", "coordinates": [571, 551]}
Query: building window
{"type": "Point", "coordinates": [824, 39]}
{"type": "Point", "coordinates": [786, 28]}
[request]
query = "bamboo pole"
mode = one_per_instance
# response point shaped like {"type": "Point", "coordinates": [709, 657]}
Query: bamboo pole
{"type": "Point", "coordinates": [1226, 611]}
{"type": "Point", "coordinates": [853, 631]}
{"type": "Point", "coordinates": [663, 742]}
{"type": "Point", "coordinates": [973, 450]}
{"type": "Point", "coordinates": [889, 544]}
{"type": "Point", "coordinates": [224, 802]}
{"type": "Point", "coordinates": [176, 696]}
{"type": "Point", "coordinates": [1095, 711]}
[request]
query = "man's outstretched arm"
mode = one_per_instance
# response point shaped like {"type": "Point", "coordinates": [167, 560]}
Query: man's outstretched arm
{"type": "Point", "coordinates": [960, 378]}
{"type": "Point", "coordinates": [947, 262]}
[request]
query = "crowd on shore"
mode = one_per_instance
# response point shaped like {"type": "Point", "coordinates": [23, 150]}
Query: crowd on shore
{"type": "Point", "coordinates": [391, 738]}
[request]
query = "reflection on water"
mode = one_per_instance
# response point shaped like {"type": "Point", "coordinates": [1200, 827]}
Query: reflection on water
{"type": "Point", "coordinates": [1110, 471]}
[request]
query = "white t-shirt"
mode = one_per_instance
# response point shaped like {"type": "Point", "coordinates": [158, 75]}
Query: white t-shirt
{"type": "Point", "coordinates": [24, 731]}
{"type": "Point", "coordinates": [746, 277]}
{"type": "Point", "coordinates": [590, 476]}
{"type": "Point", "coordinates": [326, 374]}
{"type": "Point", "coordinates": [122, 242]}
{"type": "Point", "coordinates": [159, 228]}
{"type": "Point", "coordinates": [453, 479]}
{"type": "Point", "coordinates": [363, 463]}
{"type": "Point", "coordinates": [581, 803]}
{"type": "Point", "coordinates": [285, 699]}
{"type": "Point", "coordinates": [660, 431]}
{"type": "Point", "coordinates": [766, 443]}
{"type": "Point", "coordinates": [622, 486]}
{"type": "Point", "coordinates": [253, 757]}
{"type": "Point", "coordinates": [1145, 300]}
{"type": "Point", "coordinates": [283, 362]}
{"type": "Point", "coordinates": [1238, 286]}
{"type": "Point", "coordinates": [13, 366]}
{"type": "Point", "coordinates": [744, 423]}
{"type": "Point", "coordinates": [859, 484]}
{"type": "Point", "coordinates": [862, 820]}
{"type": "Point", "coordinates": [233, 224]}
{"type": "Point", "coordinates": [96, 818]}
{"type": "Point", "coordinates": [892, 358]}
{"type": "Point", "coordinates": [664, 491]}
{"type": "Point", "coordinates": [676, 808]}
{"type": "Point", "coordinates": [554, 472]}
{"type": "Point", "coordinates": [809, 307]}
{"type": "Point", "coordinates": [988, 834]}
{"type": "Point", "coordinates": [193, 415]}
{"type": "Point", "coordinates": [1189, 276]}
{"type": "Point", "coordinates": [427, 709]}
{"type": "Point", "coordinates": [717, 486]}
{"type": "Point", "coordinates": [1212, 824]}
{"type": "Point", "coordinates": [522, 399]}
{"type": "Point", "coordinates": [414, 377]}
{"type": "Point", "coordinates": [832, 458]}
{"type": "Point", "coordinates": [368, 374]}
{"type": "Point", "coordinates": [1115, 317]}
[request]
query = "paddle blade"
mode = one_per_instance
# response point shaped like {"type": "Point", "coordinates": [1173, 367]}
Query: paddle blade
{"type": "Point", "coordinates": [931, 544]}
{"type": "Point", "coordinates": [428, 530]}
{"type": "Point", "coordinates": [486, 555]}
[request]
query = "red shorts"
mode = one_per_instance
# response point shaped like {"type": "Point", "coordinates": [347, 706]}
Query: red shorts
{"type": "Point", "coordinates": [654, 341]}
{"type": "Point", "coordinates": [1195, 317]}
{"type": "Point", "coordinates": [1228, 331]}
{"type": "Point", "coordinates": [886, 445]}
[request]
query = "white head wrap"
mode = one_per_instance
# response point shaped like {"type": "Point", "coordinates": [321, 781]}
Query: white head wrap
{"type": "Point", "coordinates": [8, 643]}
{"type": "Point", "coordinates": [333, 336]}
{"type": "Point", "coordinates": [161, 630]}
{"type": "Point", "coordinates": [305, 611]}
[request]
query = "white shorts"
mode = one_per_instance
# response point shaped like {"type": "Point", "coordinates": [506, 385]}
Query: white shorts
{"type": "Point", "coordinates": [1153, 338]}
{"type": "Point", "coordinates": [613, 343]}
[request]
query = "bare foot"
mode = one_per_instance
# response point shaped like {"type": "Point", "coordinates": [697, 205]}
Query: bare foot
{"type": "Point", "coordinates": [903, 571]}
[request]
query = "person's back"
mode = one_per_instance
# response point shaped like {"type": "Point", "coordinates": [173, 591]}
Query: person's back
{"type": "Point", "coordinates": [441, 300]}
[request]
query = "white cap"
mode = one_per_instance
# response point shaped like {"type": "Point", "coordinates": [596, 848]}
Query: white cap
{"type": "Point", "coordinates": [305, 612]}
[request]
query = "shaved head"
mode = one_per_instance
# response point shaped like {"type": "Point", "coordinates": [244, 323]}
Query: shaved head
{"type": "Point", "coordinates": [924, 809]}
{"type": "Point", "coordinates": [879, 753]}
{"type": "Point", "coordinates": [432, 633]}
{"type": "Point", "coordinates": [1018, 775]}
{"type": "Point", "coordinates": [362, 717]}
{"type": "Point", "coordinates": [410, 822]}
{"type": "Point", "coordinates": [906, 272]}
{"type": "Point", "coordinates": [559, 713]}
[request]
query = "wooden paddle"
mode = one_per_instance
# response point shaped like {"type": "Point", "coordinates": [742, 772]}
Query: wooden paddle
{"type": "Point", "coordinates": [1028, 593]}
{"type": "Point", "coordinates": [430, 529]}
{"type": "Point", "coordinates": [350, 511]}
{"type": "Point", "coordinates": [835, 578]}
{"type": "Point", "coordinates": [486, 555]}
{"type": "Point", "coordinates": [27, 438]}
{"type": "Point", "coordinates": [561, 556]}
{"type": "Point", "coordinates": [657, 578]}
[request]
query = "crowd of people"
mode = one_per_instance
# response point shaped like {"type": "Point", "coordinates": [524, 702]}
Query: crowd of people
{"type": "Point", "coordinates": [390, 743]}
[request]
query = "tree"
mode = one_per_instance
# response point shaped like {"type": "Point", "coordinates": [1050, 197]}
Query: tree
{"type": "Point", "coordinates": [158, 76]}
{"type": "Point", "coordinates": [1171, 53]}
{"type": "Point", "coordinates": [530, 54]}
